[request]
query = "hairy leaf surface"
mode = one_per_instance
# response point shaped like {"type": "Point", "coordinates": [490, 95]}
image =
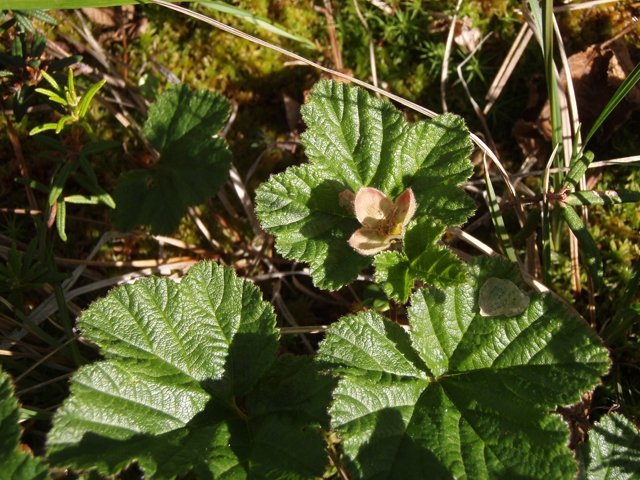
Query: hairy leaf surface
{"type": "Point", "coordinates": [355, 141]}
{"type": "Point", "coordinates": [422, 259]}
{"type": "Point", "coordinates": [15, 463]}
{"type": "Point", "coordinates": [613, 450]}
{"type": "Point", "coordinates": [193, 163]}
{"type": "Point", "coordinates": [190, 381]}
{"type": "Point", "coordinates": [461, 395]}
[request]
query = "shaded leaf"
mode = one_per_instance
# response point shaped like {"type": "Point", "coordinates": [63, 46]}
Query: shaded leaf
{"type": "Point", "coordinates": [193, 163]}
{"type": "Point", "coordinates": [17, 464]}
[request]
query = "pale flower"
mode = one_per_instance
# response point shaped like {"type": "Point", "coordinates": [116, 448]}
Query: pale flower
{"type": "Point", "coordinates": [383, 221]}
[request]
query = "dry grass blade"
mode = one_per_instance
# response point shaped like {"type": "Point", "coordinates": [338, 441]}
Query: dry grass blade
{"type": "Point", "coordinates": [43, 384]}
{"type": "Point", "coordinates": [473, 241]}
{"type": "Point", "coordinates": [245, 200]}
{"type": "Point", "coordinates": [508, 66]}
{"type": "Point", "coordinates": [372, 52]}
{"type": "Point", "coordinates": [582, 6]}
{"type": "Point", "coordinates": [570, 131]}
{"type": "Point", "coordinates": [43, 359]}
{"type": "Point", "coordinates": [445, 61]}
{"type": "Point", "coordinates": [195, 214]}
{"type": "Point", "coordinates": [303, 330]}
{"type": "Point", "coordinates": [303, 60]}
{"type": "Point", "coordinates": [474, 104]}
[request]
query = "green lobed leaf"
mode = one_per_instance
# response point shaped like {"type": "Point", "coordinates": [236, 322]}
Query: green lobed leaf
{"type": "Point", "coordinates": [355, 141]}
{"type": "Point", "coordinates": [613, 450]}
{"type": "Point", "coordinates": [461, 395]}
{"type": "Point", "coordinates": [190, 381]}
{"type": "Point", "coordinates": [193, 163]}
{"type": "Point", "coordinates": [422, 259]}
{"type": "Point", "coordinates": [393, 273]}
{"type": "Point", "coordinates": [60, 4]}
{"type": "Point", "coordinates": [15, 464]}
{"type": "Point", "coordinates": [300, 208]}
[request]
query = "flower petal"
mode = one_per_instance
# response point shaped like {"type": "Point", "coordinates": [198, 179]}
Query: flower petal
{"type": "Point", "coordinates": [371, 206]}
{"type": "Point", "coordinates": [347, 199]}
{"type": "Point", "coordinates": [367, 241]}
{"type": "Point", "coordinates": [405, 207]}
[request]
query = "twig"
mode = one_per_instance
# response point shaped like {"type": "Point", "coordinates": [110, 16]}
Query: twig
{"type": "Point", "coordinates": [194, 213]}
{"type": "Point", "coordinates": [43, 384]}
{"type": "Point", "coordinates": [24, 171]}
{"type": "Point", "coordinates": [276, 299]}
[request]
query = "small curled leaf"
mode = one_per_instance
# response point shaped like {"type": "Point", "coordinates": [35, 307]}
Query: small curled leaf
{"type": "Point", "coordinates": [499, 296]}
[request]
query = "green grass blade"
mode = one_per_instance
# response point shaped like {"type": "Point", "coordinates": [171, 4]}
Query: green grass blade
{"type": "Point", "coordinates": [536, 15]}
{"type": "Point", "coordinates": [622, 91]}
{"type": "Point", "coordinates": [257, 20]}
{"type": "Point", "coordinates": [496, 216]}
{"type": "Point", "coordinates": [61, 4]}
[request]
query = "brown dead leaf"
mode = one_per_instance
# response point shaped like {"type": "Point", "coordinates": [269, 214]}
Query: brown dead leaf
{"type": "Point", "coordinates": [464, 34]}
{"type": "Point", "coordinates": [619, 69]}
{"type": "Point", "coordinates": [123, 19]}
{"type": "Point", "coordinates": [596, 73]}
{"type": "Point", "coordinates": [105, 17]}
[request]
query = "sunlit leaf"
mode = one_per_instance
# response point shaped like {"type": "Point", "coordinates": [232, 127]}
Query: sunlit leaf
{"type": "Point", "coordinates": [355, 141]}
{"type": "Point", "coordinates": [190, 382]}
{"type": "Point", "coordinates": [460, 395]}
